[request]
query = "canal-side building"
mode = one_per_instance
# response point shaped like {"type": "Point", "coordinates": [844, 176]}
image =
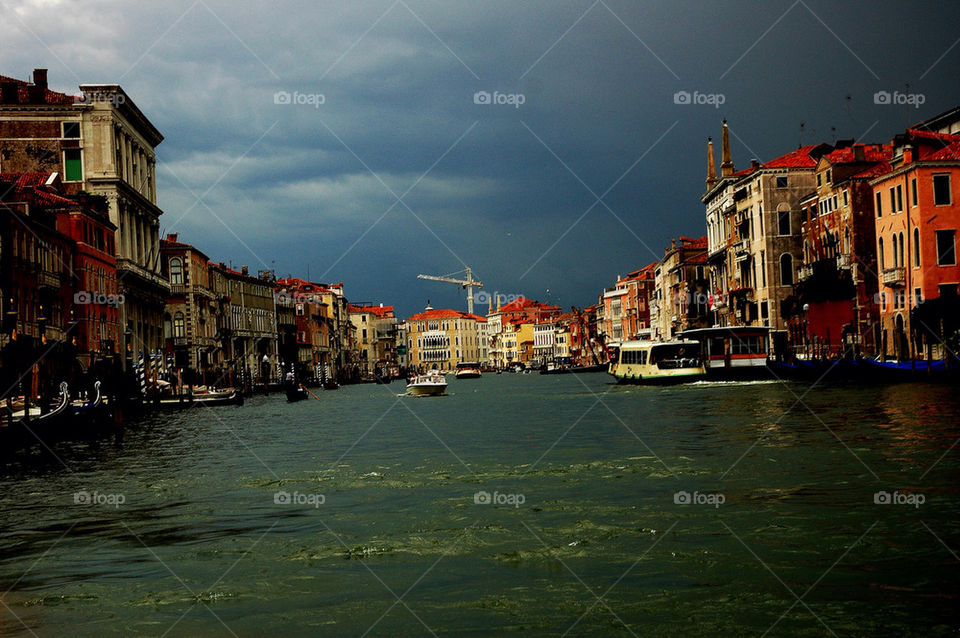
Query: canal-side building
{"type": "Point", "coordinates": [442, 338]}
{"type": "Point", "coordinates": [520, 310]}
{"type": "Point", "coordinates": [917, 217]}
{"type": "Point", "coordinates": [247, 329]}
{"type": "Point", "coordinates": [681, 289]}
{"type": "Point", "coordinates": [193, 313]}
{"type": "Point", "coordinates": [375, 330]}
{"type": "Point", "coordinates": [837, 310]}
{"type": "Point", "coordinates": [37, 280]}
{"type": "Point", "coordinates": [100, 143]}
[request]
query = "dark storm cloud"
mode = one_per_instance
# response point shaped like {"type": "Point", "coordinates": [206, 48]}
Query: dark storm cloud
{"type": "Point", "coordinates": [292, 185]}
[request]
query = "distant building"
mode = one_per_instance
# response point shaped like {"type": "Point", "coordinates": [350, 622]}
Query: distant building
{"type": "Point", "coordinates": [682, 289]}
{"type": "Point", "coordinates": [376, 332]}
{"type": "Point", "coordinates": [193, 315]}
{"type": "Point", "coordinates": [247, 330]}
{"type": "Point", "coordinates": [440, 339]}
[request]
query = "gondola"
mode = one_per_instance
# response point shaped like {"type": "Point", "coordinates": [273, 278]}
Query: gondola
{"type": "Point", "coordinates": [296, 393]}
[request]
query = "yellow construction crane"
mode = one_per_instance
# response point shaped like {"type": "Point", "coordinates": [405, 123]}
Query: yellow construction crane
{"type": "Point", "coordinates": [469, 283]}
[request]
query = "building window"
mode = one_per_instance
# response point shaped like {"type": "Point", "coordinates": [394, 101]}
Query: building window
{"type": "Point", "coordinates": [899, 198]}
{"type": "Point", "coordinates": [786, 269]}
{"type": "Point", "coordinates": [176, 271]}
{"type": "Point", "coordinates": [72, 165]}
{"type": "Point", "coordinates": [71, 130]}
{"type": "Point", "coordinates": [893, 201]}
{"type": "Point", "coordinates": [781, 182]}
{"type": "Point", "coordinates": [879, 207]}
{"type": "Point", "coordinates": [846, 197]}
{"type": "Point", "coordinates": [179, 327]}
{"type": "Point", "coordinates": [916, 247]}
{"type": "Point", "coordinates": [946, 249]}
{"type": "Point", "coordinates": [819, 179]}
{"type": "Point", "coordinates": [913, 191]}
{"type": "Point", "coordinates": [941, 190]}
{"type": "Point", "coordinates": [901, 261]}
{"type": "Point", "coordinates": [783, 222]}
{"type": "Point", "coordinates": [894, 250]}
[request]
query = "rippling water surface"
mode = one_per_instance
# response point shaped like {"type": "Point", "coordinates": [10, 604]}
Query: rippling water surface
{"type": "Point", "coordinates": [383, 534]}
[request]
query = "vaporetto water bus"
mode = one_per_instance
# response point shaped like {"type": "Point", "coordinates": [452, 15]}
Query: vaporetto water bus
{"type": "Point", "coordinates": [657, 362]}
{"type": "Point", "coordinates": [733, 352]}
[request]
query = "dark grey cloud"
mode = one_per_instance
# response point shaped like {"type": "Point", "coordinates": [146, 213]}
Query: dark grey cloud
{"type": "Point", "coordinates": [292, 186]}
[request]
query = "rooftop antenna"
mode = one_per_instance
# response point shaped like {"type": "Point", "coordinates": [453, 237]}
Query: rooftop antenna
{"type": "Point", "coordinates": [803, 127]}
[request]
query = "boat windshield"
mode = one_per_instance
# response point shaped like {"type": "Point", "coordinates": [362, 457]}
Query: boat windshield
{"type": "Point", "coordinates": [671, 356]}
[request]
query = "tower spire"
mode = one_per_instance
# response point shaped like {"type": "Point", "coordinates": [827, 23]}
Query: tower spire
{"type": "Point", "coordinates": [726, 163]}
{"type": "Point", "coordinates": [711, 165]}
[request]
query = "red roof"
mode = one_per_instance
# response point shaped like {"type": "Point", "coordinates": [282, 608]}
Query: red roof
{"type": "Point", "coordinates": [799, 158]}
{"type": "Point", "coordinates": [445, 313]}
{"type": "Point", "coordinates": [380, 311]}
{"type": "Point", "coordinates": [871, 153]}
{"type": "Point", "coordinates": [23, 182]}
{"type": "Point", "coordinates": [931, 135]}
{"type": "Point", "coordinates": [50, 97]}
{"type": "Point", "coordinates": [878, 169]}
{"type": "Point", "coordinates": [951, 152]}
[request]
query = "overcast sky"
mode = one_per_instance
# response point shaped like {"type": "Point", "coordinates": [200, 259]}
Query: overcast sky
{"type": "Point", "coordinates": [383, 165]}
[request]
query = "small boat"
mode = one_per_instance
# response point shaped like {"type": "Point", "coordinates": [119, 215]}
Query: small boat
{"type": "Point", "coordinates": [37, 416]}
{"type": "Point", "coordinates": [207, 398]}
{"type": "Point", "coordinates": [296, 393]}
{"type": "Point", "coordinates": [431, 384]}
{"type": "Point", "coordinates": [86, 408]}
{"type": "Point", "coordinates": [657, 362]}
{"type": "Point", "coordinates": [911, 370]}
{"type": "Point", "coordinates": [468, 370]}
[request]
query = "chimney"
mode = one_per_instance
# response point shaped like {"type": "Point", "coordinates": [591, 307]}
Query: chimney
{"type": "Point", "coordinates": [908, 154]}
{"type": "Point", "coordinates": [38, 90]}
{"type": "Point", "coordinates": [726, 163]}
{"type": "Point", "coordinates": [754, 162]}
{"type": "Point", "coordinates": [858, 154]}
{"type": "Point", "coordinates": [172, 236]}
{"type": "Point", "coordinates": [40, 78]}
{"type": "Point", "coordinates": [9, 93]}
{"type": "Point", "coordinates": [711, 165]}
{"type": "Point", "coordinates": [673, 243]}
{"type": "Point", "coordinates": [244, 270]}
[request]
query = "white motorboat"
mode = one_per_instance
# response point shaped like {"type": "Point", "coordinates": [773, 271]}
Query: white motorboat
{"type": "Point", "coordinates": [430, 384]}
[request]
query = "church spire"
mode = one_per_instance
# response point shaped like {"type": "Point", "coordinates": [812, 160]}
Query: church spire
{"type": "Point", "coordinates": [726, 163]}
{"type": "Point", "coordinates": [711, 165]}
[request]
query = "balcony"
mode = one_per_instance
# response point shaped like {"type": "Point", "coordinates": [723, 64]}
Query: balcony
{"type": "Point", "coordinates": [843, 262]}
{"type": "Point", "coordinates": [741, 249]}
{"type": "Point", "coordinates": [48, 279]}
{"type": "Point", "coordinates": [893, 277]}
{"type": "Point", "coordinates": [804, 273]}
{"type": "Point", "coordinates": [177, 290]}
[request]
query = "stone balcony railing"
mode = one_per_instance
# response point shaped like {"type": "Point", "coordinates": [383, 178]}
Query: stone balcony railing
{"type": "Point", "coordinates": [893, 277]}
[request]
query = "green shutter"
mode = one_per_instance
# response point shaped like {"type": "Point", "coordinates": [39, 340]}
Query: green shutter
{"type": "Point", "coordinates": [72, 165]}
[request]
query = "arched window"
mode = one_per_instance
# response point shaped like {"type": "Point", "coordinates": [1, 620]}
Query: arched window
{"type": "Point", "coordinates": [806, 251]}
{"type": "Point", "coordinates": [916, 247]}
{"type": "Point", "coordinates": [167, 326]}
{"type": "Point", "coordinates": [894, 250]}
{"type": "Point", "coordinates": [786, 269]}
{"type": "Point", "coordinates": [846, 241]}
{"type": "Point", "coordinates": [902, 261]}
{"type": "Point", "coordinates": [880, 254]}
{"type": "Point", "coordinates": [179, 327]}
{"type": "Point", "coordinates": [176, 271]}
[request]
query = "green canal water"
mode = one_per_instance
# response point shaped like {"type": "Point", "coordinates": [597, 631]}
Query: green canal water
{"type": "Point", "coordinates": [178, 530]}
